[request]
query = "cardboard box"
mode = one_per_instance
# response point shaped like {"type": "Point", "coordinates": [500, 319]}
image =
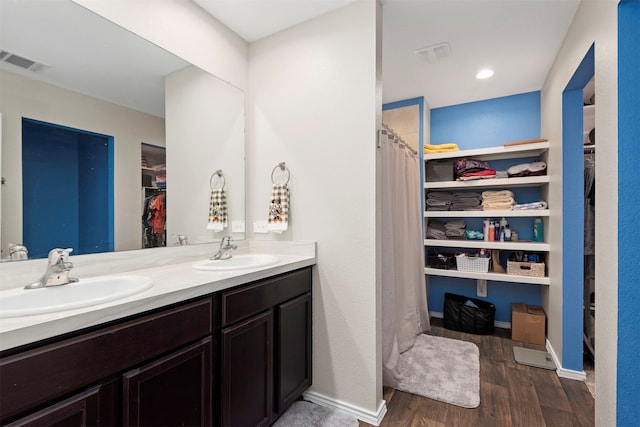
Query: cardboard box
{"type": "Point", "coordinates": [528, 324]}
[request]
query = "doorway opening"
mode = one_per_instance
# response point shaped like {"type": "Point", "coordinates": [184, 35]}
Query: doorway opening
{"type": "Point", "coordinates": [67, 186]}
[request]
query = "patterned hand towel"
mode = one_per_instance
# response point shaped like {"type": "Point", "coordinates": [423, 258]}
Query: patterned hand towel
{"type": "Point", "coordinates": [279, 209]}
{"type": "Point", "coordinates": [217, 211]}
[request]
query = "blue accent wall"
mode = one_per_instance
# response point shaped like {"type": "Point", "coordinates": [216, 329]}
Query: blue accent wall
{"type": "Point", "coordinates": [487, 123]}
{"type": "Point", "coordinates": [628, 386]}
{"type": "Point", "coordinates": [67, 179]}
{"type": "Point", "coordinates": [484, 124]}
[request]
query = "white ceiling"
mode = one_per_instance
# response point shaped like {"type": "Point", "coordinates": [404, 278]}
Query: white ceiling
{"type": "Point", "coordinates": [518, 38]}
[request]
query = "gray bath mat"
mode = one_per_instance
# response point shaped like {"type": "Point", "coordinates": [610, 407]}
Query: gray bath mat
{"type": "Point", "coordinates": [309, 414]}
{"type": "Point", "coordinates": [442, 369]}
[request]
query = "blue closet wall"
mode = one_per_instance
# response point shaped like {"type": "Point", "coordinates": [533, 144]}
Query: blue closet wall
{"type": "Point", "coordinates": [628, 410]}
{"type": "Point", "coordinates": [67, 178]}
{"type": "Point", "coordinates": [483, 124]}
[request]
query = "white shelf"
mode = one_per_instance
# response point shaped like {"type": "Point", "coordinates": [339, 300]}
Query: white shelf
{"type": "Point", "coordinates": [486, 214]}
{"type": "Point", "coordinates": [498, 277]}
{"type": "Point", "coordinates": [495, 153]}
{"type": "Point", "coordinates": [481, 244]}
{"type": "Point", "coordinates": [525, 181]}
{"type": "Point", "coordinates": [151, 171]}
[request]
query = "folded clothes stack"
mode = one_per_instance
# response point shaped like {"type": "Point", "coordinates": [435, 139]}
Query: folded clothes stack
{"type": "Point", "coordinates": [439, 200]}
{"type": "Point", "coordinates": [436, 230]}
{"type": "Point", "coordinates": [454, 230]}
{"type": "Point", "coordinates": [440, 148]}
{"type": "Point", "coordinates": [469, 169]}
{"type": "Point", "coordinates": [528, 169]}
{"type": "Point", "coordinates": [466, 202]}
{"type": "Point", "coordinates": [530, 206]}
{"type": "Point", "coordinates": [497, 200]}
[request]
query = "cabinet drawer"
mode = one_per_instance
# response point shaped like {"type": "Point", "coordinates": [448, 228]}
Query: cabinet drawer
{"type": "Point", "coordinates": [42, 374]}
{"type": "Point", "coordinates": [247, 301]}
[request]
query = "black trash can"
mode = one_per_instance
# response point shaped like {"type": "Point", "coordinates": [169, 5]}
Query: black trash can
{"type": "Point", "coordinates": [470, 315]}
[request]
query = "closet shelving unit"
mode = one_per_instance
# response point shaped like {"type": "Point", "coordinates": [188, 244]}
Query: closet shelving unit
{"type": "Point", "coordinates": [534, 150]}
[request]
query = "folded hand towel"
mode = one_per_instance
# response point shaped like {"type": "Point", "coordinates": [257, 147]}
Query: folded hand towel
{"type": "Point", "coordinates": [440, 148]}
{"type": "Point", "coordinates": [530, 206]}
{"type": "Point", "coordinates": [217, 211]}
{"type": "Point", "coordinates": [498, 205]}
{"type": "Point", "coordinates": [279, 209]}
{"type": "Point", "coordinates": [528, 169]}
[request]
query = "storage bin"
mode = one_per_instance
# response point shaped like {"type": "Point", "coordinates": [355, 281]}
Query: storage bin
{"type": "Point", "coordinates": [531, 269]}
{"type": "Point", "coordinates": [470, 315]}
{"type": "Point", "coordinates": [474, 264]}
{"type": "Point", "coordinates": [439, 170]}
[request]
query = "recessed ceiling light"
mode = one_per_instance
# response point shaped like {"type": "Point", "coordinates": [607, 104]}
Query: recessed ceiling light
{"type": "Point", "coordinates": [484, 74]}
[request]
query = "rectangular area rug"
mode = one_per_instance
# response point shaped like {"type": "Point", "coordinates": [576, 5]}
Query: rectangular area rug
{"type": "Point", "coordinates": [442, 369]}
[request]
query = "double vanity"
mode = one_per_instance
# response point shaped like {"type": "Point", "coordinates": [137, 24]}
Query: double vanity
{"type": "Point", "coordinates": [207, 343]}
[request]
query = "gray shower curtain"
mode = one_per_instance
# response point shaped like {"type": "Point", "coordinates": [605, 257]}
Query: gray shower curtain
{"type": "Point", "coordinates": [404, 297]}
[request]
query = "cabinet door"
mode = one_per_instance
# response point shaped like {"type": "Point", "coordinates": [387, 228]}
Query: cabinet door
{"type": "Point", "coordinates": [92, 407]}
{"type": "Point", "coordinates": [247, 372]}
{"type": "Point", "coordinates": [172, 391]}
{"type": "Point", "coordinates": [293, 350]}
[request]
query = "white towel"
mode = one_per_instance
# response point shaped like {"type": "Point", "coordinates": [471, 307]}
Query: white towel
{"type": "Point", "coordinates": [279, 209]}
{"type": "Point", "coordinates": [218, 218]}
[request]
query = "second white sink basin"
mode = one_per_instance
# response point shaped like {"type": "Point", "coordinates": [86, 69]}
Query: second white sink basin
{"type": "Point", "coordinates": [84, 293]}
{"type": "Point", "coordinates": [237, 262]}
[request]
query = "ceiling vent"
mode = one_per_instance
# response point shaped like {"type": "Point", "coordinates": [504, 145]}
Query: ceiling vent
{"type": "Point", "coordinates": [21, 62]}
{"type": "Point", "coordinates": [435, 53]}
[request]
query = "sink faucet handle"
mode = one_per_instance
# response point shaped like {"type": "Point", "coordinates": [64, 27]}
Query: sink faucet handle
{"type": "Point", "coordinates": [59, 256]}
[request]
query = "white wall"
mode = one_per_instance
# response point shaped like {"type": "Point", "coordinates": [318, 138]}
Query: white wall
{"type": "Point", "coordinates": [205, 124]}
{"type": "Point", "coordinates": [184, 29]}
{"type": "Point", "coordinates": [23, 97]}
{"type": "Point", "coordinates": [595, 21]}
{"type": "Point", "coordinates": [314, 102]}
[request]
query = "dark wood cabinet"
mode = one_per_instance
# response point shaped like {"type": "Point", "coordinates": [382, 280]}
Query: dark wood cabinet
{"type": "Point", "coordinates": [293, 353]}
{"type": "Point", "coordinates": [266, 348]}
{"type": "Point", "coordinates": [247, 372]}
{"type": "Point", "coordinates": [238, 357]}
{"type": "Point", "coordinates": [172, 391]}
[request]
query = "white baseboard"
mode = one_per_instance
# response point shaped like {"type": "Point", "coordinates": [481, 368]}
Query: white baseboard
{"type": "Point", "coordinates": [496, 323]}
{"type": "Point", "coordinates": [359, 413]}
{"type": "Point", "coordinates": [562, 372]}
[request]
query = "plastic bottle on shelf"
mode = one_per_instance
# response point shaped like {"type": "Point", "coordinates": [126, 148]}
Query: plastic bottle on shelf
{"type": "Point", "coordinates": [503, 226]}
{"type": "Point", "coordinates": [492, 231]}
{"type": "Point", "coordinates": [485, 229]}
{"type": "Point", "coordinates": [538, 230]}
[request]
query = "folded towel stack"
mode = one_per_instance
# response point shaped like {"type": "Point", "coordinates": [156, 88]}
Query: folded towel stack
{"type": "Point", "coordinates": [440, 148]}
{"type": "Point", "coordinates": [454, 230]}
{"type": "Point", "coordinates": [439, 200]}
{"type": "Point", "coordinates": [530, 206]}
{"type": "Point", "coordinates": [466, 202]}
{"type": "Point", "coordinates": [497, 200]}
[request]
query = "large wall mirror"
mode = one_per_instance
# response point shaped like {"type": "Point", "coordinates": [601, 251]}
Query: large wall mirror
{"type": "Point", "coordinates": [67, 74]}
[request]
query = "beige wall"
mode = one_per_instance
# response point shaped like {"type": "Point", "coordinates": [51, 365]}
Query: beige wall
{"type": "Point", "coordinates": [22, 97]}
{"type": "Point", "coordinates": [595, 21]}
{"type": "Point", "coordinates": [315, 103]}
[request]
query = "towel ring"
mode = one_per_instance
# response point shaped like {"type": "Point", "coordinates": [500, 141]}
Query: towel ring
{"type": "Point", "coordinates": [217, 180]}
{"type": "Point", "coordinates": [284, 170]}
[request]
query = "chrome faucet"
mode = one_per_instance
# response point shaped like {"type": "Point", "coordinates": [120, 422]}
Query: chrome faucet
{"type": "Point", "coordinates": [58, 267]}
{"type": "Point", "coordinates": [225, 249]}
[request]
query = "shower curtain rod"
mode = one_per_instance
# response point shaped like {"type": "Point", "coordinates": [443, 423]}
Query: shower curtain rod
{"type": "Point", "coordinates": [390, 130]}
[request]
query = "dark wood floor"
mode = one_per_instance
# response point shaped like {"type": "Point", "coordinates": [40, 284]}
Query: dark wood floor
{"type": "Point", "coordinates": [510, 394]}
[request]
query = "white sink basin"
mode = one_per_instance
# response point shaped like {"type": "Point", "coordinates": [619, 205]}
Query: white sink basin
{"type": "Point", "coordinates": [84, 293]}
{"type": "Point", "coordinates": [237, 262]}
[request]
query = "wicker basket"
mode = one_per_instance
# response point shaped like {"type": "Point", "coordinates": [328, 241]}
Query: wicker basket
{"type": "Point", "coordinates": [531, 269]}
{"type": "Point", "coordinates": [474, 264]}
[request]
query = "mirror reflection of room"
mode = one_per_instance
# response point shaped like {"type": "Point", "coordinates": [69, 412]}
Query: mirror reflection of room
{"type": "Point", "coordinates": [154, 198]}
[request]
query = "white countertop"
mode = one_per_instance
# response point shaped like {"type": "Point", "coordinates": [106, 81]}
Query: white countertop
{"type": "Point", "coordinates": [172, 283]}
